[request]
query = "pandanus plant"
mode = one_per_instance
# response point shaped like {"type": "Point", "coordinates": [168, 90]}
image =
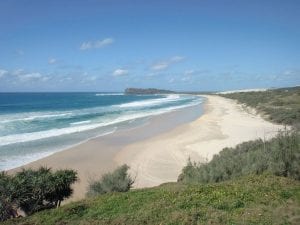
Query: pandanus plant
{"type": "Point", "coordinates": [34, 190]}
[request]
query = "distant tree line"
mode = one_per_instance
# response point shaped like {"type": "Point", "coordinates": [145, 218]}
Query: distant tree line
{"type": "Point", "coordinates": [278, 105]}
{"type": "Point", "coordinates": [31, 191]}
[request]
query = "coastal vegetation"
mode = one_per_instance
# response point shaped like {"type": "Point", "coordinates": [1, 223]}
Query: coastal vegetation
{"type": "Point", "coordinates": [117, 181]}
{"type": "Point", "coordinates": [146, 91]}
{"type": "Point", "coordinates": [278, 105]}
{"type": "Point", "coordinates": [279, 156]}
{"type": "Point", "coordinates": [256, 182]}
{"type": "Point", "coordinates": [31, 191]}
{"type": "Point", "coordinates": [253, 199]}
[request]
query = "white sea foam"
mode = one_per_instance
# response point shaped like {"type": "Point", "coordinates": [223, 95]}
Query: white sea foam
{"type": "Point", "coordinates": [26, 117]}
{"type": "Point", "coordinates": [19, 160]}
{"type": "Point", "coordinates": [20, 117]}
{"type": "Point", "coordinates": [105, 94]}
{"type": "Point", "coordinates": [26, 137]}
{"type": "Point", "coordinates": [16, 161]}
{"type": "Point", "coordinates": [81, 122]}
{"type": "Point", "coordinates": [32, 116]}
{"type": "Point", "coordinates": [152, 102]}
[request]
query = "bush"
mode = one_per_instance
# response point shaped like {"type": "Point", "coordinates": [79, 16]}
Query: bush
{"type": "Point", "coordinates": [279, 156]}
{"type": "Point", "coordinates": [117, 181]}
{"type": "Point", "coordinates": [34, 190]}
{"type": "Point", "coordinates": [279, 105]}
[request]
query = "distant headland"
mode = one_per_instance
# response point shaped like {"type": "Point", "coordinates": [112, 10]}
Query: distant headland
{"type": "Point", "coordinates": [151, 91]}
{"type": "Point", "coordinates": [146, 91]}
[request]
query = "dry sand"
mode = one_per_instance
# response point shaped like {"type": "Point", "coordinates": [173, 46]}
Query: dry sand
{"type": "Point", "coordinates": [224, 124]}
{"type": "Point", "coordinates": [158, 155]}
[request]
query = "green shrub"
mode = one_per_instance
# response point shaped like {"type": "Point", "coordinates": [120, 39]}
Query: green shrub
{"type": "Point", "coordinates": [34, 190]}
{"type": "Point", "coordinates": [279, 156]}
{"type": "Point", "coordinates": [117, 181]}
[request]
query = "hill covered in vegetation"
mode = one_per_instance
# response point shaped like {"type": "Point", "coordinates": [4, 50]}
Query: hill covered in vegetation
{"type": "Point", "coordinates": [146, 91]}
{"type": "Point", "coordinates": [263, 199]}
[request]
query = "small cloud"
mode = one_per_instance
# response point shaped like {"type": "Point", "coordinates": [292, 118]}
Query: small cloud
{"type": "Point", "coordinates": [186, 78]}
{"type": "Point", "coordinates": [25, 77]}
{"type": "Point", "coordinates": [162, 65]}
{"type": "Point", "coordinates": [187, 75]}
{"type": "Point", "coordinates": [176, 59]}
{"type": "Point", "coordinates": [30, 76]}
{"type": "Point", "coordinates": [96, 44]}
{"type": "Point", "coordinates": [120, 72]}
{"type": "Point", "coordinates": [189, 72]}
{"type": "Point", "coordinates": [3, 72]}
{"type": "Point", "coordinates": [291, 73]}
{"type": "Point", "coordinates": [52, 61]}
{"type": "Point", "coordinates": [92, 78]}
{"type": "Point", "coordinates": [87, 78]}
{"type": "Point", "coordinates": [18, 72]}
{"type": "Point", "coordinates": [103, 43]}
{"type": "Point", "coordinates": [86, 45]}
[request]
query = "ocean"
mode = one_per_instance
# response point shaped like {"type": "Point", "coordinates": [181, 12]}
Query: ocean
{"type": "Point", "coordinates": [35, 125]}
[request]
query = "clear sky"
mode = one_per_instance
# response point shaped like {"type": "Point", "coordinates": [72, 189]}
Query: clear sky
{"type": "Point", "coordinates": [108, 45]}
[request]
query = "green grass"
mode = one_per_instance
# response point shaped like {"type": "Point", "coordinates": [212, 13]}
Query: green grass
{"type": "Point", "coordinates": [278, 105]}
{"type": "Point", "coordinates": [264, 199]}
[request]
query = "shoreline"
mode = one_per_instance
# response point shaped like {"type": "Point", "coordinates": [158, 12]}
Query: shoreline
{"type": "Point", "coordinates": [157, 151]}
{"type": "Point", "coordinates": [94, 157]}
{"type": "Point", "coordinates": [225, 123]}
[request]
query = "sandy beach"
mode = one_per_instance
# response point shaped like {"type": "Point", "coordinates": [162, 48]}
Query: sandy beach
{"type": "Point", "coordinates": [224, 124]}
{"type": "Point", "coordinates": [156, 153]}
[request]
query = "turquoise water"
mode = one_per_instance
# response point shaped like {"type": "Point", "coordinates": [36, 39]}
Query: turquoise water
{"type": "Point", "coordinates": [34, 125]}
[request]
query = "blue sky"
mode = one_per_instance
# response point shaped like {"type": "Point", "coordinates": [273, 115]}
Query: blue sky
{"type": "Point", "coordinates": [108, 45]}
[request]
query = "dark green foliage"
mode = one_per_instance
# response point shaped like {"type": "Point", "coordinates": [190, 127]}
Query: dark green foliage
{"type": "Point", "coordinates": [279, 105]}
{"type": "Point", "coordinates": [255, 199]}
{"type": "Point", "coordinates": [8, 204]}
{"type": "Point", "coordinates": [34, 190]}
{"type": "Point", "coordinates": [146, 91]}
{"type": "Point", "coordinates": [117, 181]}
{"type": "Point", "coordinates": [279, 156]}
